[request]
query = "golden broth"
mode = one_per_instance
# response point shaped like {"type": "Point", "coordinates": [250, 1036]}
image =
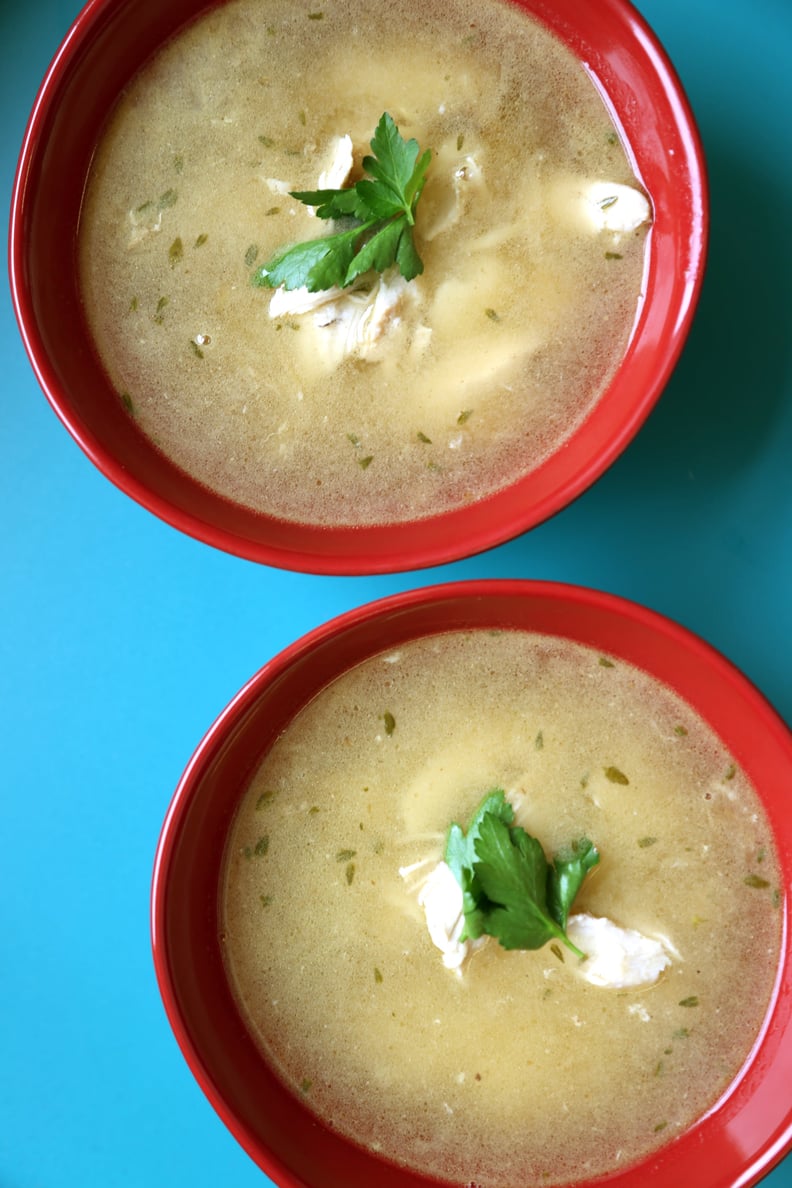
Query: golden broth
{"type": "Point", "coordinates": [503, 345]}
{"type": "Point", "coordinates": [518, 1071]}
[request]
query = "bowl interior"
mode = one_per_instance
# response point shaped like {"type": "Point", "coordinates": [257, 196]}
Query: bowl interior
{"type": "Point", "coordinates": [748, 1129]}
{"type": "Point", "coordinates": [108, 43]}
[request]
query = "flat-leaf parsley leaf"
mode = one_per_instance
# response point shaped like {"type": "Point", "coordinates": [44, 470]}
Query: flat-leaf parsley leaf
{"type": "Point", "coordinates": [509, 890]}
{"type": "Point", "coordinates": [381, 211]}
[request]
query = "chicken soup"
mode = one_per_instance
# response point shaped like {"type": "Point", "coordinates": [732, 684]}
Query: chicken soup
{"type": "Point", "coordinates": [465, 1059]}
{"type": "Point", "coordinates": [386, 399]}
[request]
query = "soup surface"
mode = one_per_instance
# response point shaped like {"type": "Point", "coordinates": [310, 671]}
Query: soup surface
{"type": "Point", "coordinates": [485, 364]}
{"type": "Point", "coordinates": [516, 1071]}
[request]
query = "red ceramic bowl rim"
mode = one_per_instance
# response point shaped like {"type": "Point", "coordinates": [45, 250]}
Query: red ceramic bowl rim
{"type": "Point", "coordinates": [436, 539]}
{"type": "Point", "coordinates": [734, 1144]}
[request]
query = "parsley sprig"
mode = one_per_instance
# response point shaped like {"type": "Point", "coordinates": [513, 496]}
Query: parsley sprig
{"type": "Point", "coordinates": [379, 215]}
{"type": "Point", "coordinates": [509, 890]}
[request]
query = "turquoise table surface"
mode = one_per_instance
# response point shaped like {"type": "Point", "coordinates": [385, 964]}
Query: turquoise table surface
{"type": "Point", "coordinates": [123, 639]}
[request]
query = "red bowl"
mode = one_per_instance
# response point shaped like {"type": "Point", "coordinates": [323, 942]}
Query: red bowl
{"type": "Point", "coordinates": [744, 1134]}
{"type": "Point", "coordinates": [105, 47]}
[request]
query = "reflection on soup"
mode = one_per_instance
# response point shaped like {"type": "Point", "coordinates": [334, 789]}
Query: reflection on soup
{"type": "Point", "coordinates": [462, 380]}
{"type": "Point", "coordinates": [516, 1071]}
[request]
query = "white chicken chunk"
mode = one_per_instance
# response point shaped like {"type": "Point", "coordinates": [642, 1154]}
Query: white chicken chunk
{"type": "Point", "coordinates": [353, 320]}
{"type": "Point", "coordinates": [441, 899]}
{"type": "Point", "coordinates": [616, 957]}
{"type": "Point", "coordinates": [596, 206]}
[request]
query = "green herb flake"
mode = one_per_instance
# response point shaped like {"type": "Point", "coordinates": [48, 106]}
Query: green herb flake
{"type": "Point", "coordinates": [464, 416]}
{"type": "Point", "coordinates": [492, 314]}
{"type": "Point", "coordinates": [613, 256]}
{"type": "Point", "coordinates": [167, 199]}
{"type": "Point", "coordinates": [176, 252]}
{"type": "Point", "coordinates": [539, 742]}
{"type": "Point", "coordinates": [313, 810]}
{"type": "Point", "coordinates": [144, 206]}
{"type": "Point", "coordinates": [731, 773]}
{"type": "Point", "coordinates": [201, 240]}
{"type": "Point", "coordinates": [422, 437]}
{"type": "Point", "coordinates": [133, 305]}
{"type": "Point", "coordinates": [680, 731]}
{"type": "Point", "coordinates": [681, 1033]}
{"type": "Point", "coordinates": [611, 138]}
{"type": "Point", "coordinates": [381, 208]}
{"type": "Point", "coordinates": [584, 780]}
{"type": "Point", "coordinates": [390, 722]}
{"type": "Point", "coordinates": [265, 798]}
{"type": "Point", "coordinates": [196, 350]}
{"type": "Point", "coordinates": [604, 662]}
{"type": "Point", "coordinates": [364, 463]}
{"type": "Point", "coordinates": [315, 16]}
{"type": "Point", "coordinates": [302, 117]}
{"type": "Point", "coordinates": [261, 846]}
{"type": "Point", "coordinates": [305, 1085]}
{"type": "Point", "coordinates": [761, 854]}
{"type": "Point", "coordinates": [377, 976]}
{"type": "Point", "coordinates": [267, 141]}
{"type": "Point", "coordinates": [607, 203]}
{"type": "Point", "coordinates": [755, 880]}
{"type": "Point", "coordinates": [658, 1072]}
{"type": "Point", "coordinates": [353, 437]}
{"type": "Point", "coordinates": [350, 873]}
{"type": "Point", "coordinates": [178, 163]}
{"type": "Point", "coordinates": [158, 315]}
{"type": "Point", "coordinates": [345, 855]}
{"type": "Point", "coordinates": [265, 900]}
{"type": "Point", "coordinates": [273, 210]}
{"type": "Point", "coordinates": [646, 842]}
{"type": "Point", "coordinates": [692, 1001]}
{"type": "Point", "coordinates": [250, 255]}
{"type": "Point", "coordinates": [660, 1126]}
{"type": "Point", "coordinates": [127, 402]}
{"type": "Point", "coordinates": [556, 950]}
{"type": "Point", "coordinates": [615, 775]}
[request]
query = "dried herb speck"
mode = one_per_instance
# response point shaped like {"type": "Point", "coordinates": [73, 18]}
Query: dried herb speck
{"type": "Point", "coordinates": [176, 252]}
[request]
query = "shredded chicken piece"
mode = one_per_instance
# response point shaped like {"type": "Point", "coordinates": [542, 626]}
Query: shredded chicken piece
{"type": "Point", "coordinates": [445, 202]}
{"type": "Point", "coordinates": [355, 318]}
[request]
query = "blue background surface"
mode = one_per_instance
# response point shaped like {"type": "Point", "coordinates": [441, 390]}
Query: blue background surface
{"type": "Point", "coordinates": [121, 639]}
